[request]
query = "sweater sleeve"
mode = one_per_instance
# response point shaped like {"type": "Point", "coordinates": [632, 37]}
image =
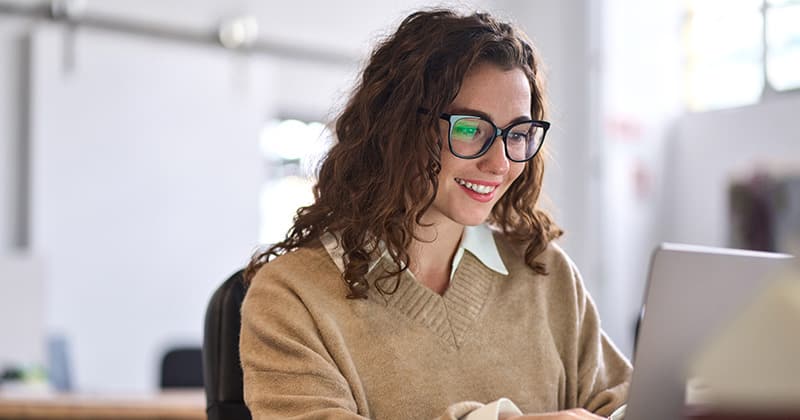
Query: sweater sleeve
{"type": "Point", "coordinates": [603, 372]}
{"type": "Point", "coordinates": [289, 372]}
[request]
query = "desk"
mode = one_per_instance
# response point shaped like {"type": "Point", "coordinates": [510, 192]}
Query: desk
{"type": "Point", "coordinates": [700, 413]}
{"type": "Point", "coordinates": [169, 405]}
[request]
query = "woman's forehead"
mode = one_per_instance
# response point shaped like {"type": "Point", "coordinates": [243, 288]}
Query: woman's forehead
{"type": "Point", "coordinates": [499, 94]}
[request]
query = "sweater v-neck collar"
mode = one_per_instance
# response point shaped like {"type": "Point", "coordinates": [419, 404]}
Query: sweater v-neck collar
{"type": "Point", "coordinates": [450, 315]}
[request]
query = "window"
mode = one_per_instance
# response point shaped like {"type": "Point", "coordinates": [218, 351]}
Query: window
{"type": "Point", "coordinates": [783, 44]}
{"type": "Point", "coordinates": [291, 149]}
{"type": "Point", "coordinates": [736, 50]}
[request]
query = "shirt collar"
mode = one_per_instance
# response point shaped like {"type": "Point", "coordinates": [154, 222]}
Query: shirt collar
{"type": "Point", "coordinates": [478, 240]}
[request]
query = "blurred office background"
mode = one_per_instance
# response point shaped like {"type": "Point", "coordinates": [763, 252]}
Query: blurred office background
{"type": "Point", "coordinates": [147, 147]}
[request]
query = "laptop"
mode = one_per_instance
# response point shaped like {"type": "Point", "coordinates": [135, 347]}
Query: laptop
{"type": "Point", "coordinates": [691, 292]}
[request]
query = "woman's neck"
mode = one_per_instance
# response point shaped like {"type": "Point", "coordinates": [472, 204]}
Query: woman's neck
{"type": "Point", "coordinates": [432, 255]}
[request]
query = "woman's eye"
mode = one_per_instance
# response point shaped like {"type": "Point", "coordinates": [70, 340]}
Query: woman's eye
{"type": "Point", "coordinates": [520, 137]}
{"type": "Point", "coordinates": [466, 131]}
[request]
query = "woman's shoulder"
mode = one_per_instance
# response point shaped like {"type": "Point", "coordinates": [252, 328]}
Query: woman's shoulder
{"type": "Point", "coordinates": [560, 285]}
{"type": "Point", "coordinates": [302, 268]}
{"type": "Point", "coordinates": [553, 256]}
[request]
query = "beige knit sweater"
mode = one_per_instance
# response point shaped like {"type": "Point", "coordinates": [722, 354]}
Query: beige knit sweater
{"type": "Point", "coordinates": [308, 352]}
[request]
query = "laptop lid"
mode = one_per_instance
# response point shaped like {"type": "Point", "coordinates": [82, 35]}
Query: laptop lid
{"type": "Point", "coordinates": [691, 292]}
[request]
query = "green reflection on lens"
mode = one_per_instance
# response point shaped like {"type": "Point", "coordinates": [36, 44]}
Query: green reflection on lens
{"type": "Point", "coordinates": [466, 130]}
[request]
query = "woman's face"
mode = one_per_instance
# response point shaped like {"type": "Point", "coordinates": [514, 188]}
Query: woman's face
{"type": "Point", "coordinates": [469, 188]}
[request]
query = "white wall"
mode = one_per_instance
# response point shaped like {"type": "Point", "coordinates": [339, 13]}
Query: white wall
{"type": "Point", "coordinates": [21, 310]}
{"type": "Point", "coordinates": [710, 148]}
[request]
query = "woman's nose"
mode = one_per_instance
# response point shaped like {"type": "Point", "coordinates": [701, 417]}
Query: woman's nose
{"type": "Point", "coordinates": [495, 160]}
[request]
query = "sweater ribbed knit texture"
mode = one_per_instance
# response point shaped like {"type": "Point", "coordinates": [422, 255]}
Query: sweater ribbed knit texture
{"type": "Point", "coordinates": [308, 352]}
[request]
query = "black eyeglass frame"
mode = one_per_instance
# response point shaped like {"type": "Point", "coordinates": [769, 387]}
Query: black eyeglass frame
{"type": "Point", "coordinates": [452, 118]}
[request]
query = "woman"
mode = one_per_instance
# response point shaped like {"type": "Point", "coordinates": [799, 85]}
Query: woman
{"type": "Point", "coordinates": [425, 218]}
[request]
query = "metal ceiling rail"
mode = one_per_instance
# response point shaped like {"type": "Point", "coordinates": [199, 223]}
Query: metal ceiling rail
{"type": "Point", "coordinates": [55, 11]}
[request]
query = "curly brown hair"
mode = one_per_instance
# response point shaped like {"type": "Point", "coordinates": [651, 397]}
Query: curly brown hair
{"type": "Point", "coordinates": [377, 181]}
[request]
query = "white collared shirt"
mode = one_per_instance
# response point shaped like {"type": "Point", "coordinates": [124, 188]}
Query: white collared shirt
{"type": "Point", "coordinates": [480, 242]}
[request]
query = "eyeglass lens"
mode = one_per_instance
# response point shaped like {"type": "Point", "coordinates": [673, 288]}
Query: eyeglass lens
{"type": "Point", "coordinates": [469, 136]}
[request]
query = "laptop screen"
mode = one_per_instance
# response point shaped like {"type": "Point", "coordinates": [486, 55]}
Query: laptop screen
{"type": "Point", "coordinates": [691, 292]}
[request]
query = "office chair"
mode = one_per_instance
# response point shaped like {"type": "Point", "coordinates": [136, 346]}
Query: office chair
{"type": "Point", "coordinates": [221, 366]}
{"type": "Point", "coordinates": [182, 368]}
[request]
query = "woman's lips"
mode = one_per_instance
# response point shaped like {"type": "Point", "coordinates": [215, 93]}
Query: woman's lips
{"type": "Point", "coordinates": [482, 191]}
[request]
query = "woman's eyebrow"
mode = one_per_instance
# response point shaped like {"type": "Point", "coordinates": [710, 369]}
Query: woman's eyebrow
{"type": "Point", "coordinates": [477, 113]}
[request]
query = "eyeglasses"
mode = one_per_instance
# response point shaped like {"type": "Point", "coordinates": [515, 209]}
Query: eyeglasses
{"type": "Point", "coordinates": [471, 137]}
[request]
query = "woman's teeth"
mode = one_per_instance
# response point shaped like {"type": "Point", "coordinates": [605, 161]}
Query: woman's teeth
{"type": "Point", "coordinates": [480, 189]}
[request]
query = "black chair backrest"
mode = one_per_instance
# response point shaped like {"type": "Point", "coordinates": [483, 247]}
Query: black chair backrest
{"type": "Point", "coordinates": [221, 366]}
{"type": "Point", "coordinates": [182, 368]}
